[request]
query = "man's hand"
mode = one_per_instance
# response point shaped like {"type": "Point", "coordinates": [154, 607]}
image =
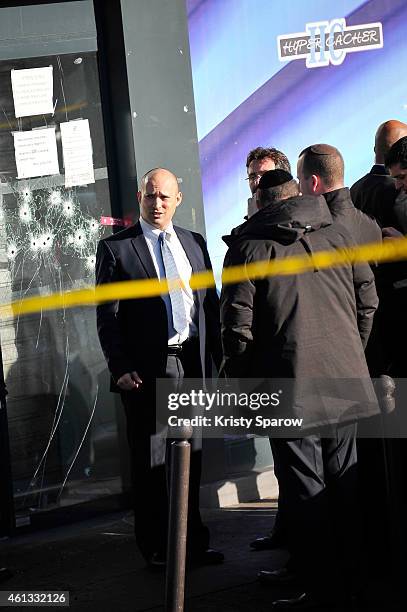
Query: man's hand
{"type": "Point", "coordinates": [129, 381]}
{"type": "Point", "coordinates": [391, 232]}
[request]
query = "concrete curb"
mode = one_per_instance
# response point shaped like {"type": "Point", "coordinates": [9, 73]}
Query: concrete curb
{"type": "Point", "coordinates": [253, 486]}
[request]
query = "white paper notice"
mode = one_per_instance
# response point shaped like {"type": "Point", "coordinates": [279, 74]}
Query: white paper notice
{"type": "Point", "coordinates": [78, 155]}
{"type": "Point", "coordinates": [36, 153]}
{"type": "Point", "coordinates": [32, 91]}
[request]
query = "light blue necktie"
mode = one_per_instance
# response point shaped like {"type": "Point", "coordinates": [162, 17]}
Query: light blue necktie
{"type": "Point", "coordinates": [179, 317]}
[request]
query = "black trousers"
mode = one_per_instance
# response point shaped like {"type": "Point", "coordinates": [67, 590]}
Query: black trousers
{"type": "Point", "coordinates": [150, 476]}
{"type": "Point", "coordinates": [280, 527]}
{"type": "Point", "coordinates": [318, 481]}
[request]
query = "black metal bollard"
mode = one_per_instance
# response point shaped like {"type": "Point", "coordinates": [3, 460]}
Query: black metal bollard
{"type": "Point", "coordinates": [6, 482]}
{"type": "Point", "coordinates": [178, 520]}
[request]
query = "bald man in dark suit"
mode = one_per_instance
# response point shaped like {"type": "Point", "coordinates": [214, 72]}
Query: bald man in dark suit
{"type": "Point", "coordinates": [171, 336]}
{"type": "Point", "coordinates": [376, 193]}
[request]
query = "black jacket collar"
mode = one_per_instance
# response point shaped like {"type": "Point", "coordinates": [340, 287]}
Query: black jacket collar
{"type": "Point", "coordinates": [379, 169]}
{"type": "Point", "coordinates": [140, 246]}
{"type": "Point", "coordinates": [338, 200]}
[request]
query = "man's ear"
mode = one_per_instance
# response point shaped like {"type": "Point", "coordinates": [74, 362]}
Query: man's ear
{"type": "Point", "coordinates": [139, 197]}
{"type": "Point", "coordinates": [179, 198]}
{"type": "Point", "coordinates": [315, 183]}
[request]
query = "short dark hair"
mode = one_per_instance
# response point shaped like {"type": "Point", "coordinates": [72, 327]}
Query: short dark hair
{"type": "Point", "coordinates": [397, 154]}
{"type": "Point", "coordinates": [276, 185]}
{"type": "Point", "coordinates": [280, 160]}
{"type": "Point", "coordinates": [325, 161]}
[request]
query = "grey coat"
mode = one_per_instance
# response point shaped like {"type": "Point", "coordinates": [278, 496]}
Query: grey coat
{"type": "Point", "coordinates": [310, 328]}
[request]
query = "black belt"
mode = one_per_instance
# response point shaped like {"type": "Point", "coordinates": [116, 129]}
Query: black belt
{"type": "Point", "coordinates": [177, 349]}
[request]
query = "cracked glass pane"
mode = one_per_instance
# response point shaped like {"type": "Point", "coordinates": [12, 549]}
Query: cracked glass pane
{"type": "Point", "coordinates": [63, 429]}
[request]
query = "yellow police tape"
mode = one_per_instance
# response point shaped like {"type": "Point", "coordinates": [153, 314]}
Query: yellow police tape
{"type": "Point", "coordinates": [394, 249]}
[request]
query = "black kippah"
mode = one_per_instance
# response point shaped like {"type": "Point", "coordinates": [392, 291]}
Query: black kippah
{"type": "Point", "coordinates": [272, 178]}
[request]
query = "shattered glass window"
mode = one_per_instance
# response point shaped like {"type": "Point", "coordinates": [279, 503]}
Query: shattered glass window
{"type": "Point", "coordinates": [63, 431]}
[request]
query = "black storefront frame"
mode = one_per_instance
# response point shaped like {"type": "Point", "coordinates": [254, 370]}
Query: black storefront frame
{"type": "Point", "coordinates": [7, 518]}
{"type": "Point", "coordinates": [122, 181]}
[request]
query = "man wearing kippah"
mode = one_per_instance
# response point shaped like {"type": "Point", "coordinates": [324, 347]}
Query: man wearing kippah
{"type": "Point", "coordinates": [309, 331]}
{"type": "Point", "coordinates": [320, 171]}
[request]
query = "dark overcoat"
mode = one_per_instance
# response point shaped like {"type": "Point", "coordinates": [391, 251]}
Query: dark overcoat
{"type": "Point", "coordinates": [310, 328]}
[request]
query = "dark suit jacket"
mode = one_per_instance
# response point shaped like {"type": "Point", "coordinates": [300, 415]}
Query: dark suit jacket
{"type": "Point", "coordinates": [376, 195]}
{"type": "Point", "coordinates": [134, 333]}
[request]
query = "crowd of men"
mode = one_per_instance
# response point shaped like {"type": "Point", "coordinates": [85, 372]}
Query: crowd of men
{"type": "Point", "coordinates": [310, 326]}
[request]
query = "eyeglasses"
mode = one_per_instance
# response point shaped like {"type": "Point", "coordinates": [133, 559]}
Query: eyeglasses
{"type": "Point", "coordinates": [255, 175]}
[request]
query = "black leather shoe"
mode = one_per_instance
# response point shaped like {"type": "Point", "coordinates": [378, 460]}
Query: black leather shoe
{"type": "Point", "coordinates": [206, 557]}
{"type": "Point", "coordinates": [270, 542]}
{"type": "Point", "coordinates": [5, 574]}
{"type": "Point", "coordinates": [157, 561]}
{"type": "Point", "coordinates": [305, 602]}
{"type": "Point", "coordinates": [276, 577]}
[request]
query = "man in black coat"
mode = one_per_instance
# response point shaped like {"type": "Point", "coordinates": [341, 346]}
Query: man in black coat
{"type": "Point", "coordinates": [320, 171]}
{"type": "Point", "coordinates": [172, 336]}
{"type": "Point", "coordinates": [310, 329]}
{"type": "Point", "coordinates": [396, 162]}
{"type": "Point", "coordinates": [396, 297]}
{"type": "Point", "coordinates": [376, 193]}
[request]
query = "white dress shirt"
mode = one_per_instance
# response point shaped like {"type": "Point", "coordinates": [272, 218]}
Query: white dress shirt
{"type": "Point", "coordinates": [151, 235]}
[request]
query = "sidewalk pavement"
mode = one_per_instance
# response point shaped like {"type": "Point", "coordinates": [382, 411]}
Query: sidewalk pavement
{"type": "Point", "coordinates": [97, 561]}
